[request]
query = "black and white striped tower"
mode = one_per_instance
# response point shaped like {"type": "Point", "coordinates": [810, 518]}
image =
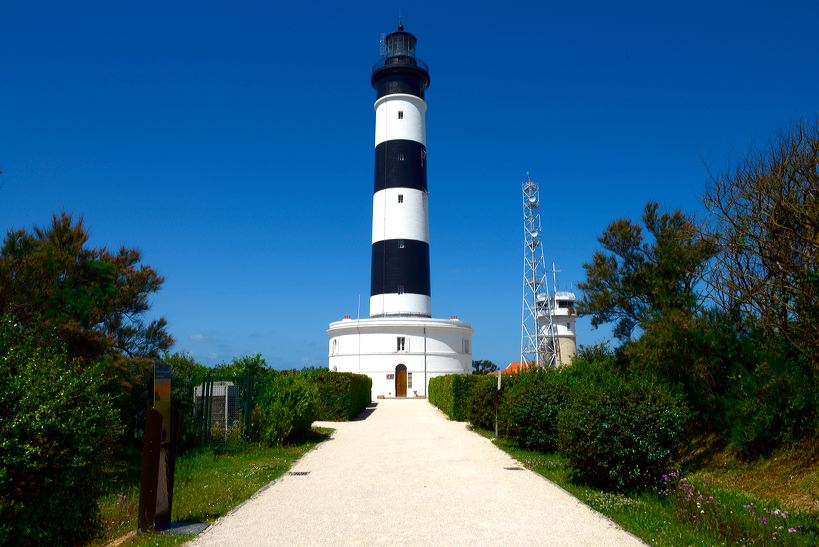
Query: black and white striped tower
{"type": "Point", "coordinates": [400, 346]}
{"type": "Point", "coordinates": [400, 282]}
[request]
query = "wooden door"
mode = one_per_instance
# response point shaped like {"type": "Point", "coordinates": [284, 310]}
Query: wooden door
{"type": "Point", "coordinates": [401, 381]}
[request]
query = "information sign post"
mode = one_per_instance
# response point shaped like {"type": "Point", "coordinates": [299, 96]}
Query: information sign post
{"type": "Point", "coordinates": [158, 456]}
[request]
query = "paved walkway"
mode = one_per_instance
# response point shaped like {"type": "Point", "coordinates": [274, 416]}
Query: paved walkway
{"type": "Point", "coordinates": [406, 475]}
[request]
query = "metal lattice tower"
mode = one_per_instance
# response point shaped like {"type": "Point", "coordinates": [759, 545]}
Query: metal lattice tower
{"type": "Point", "coordinates": [537, 338]}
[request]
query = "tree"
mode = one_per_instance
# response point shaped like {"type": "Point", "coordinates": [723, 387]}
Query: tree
{"type": "Point", "coordinates": [183, 365]}
{"type": "Point", "coordinates": [483, 367]}
{"type": "Point", "coordinates": [638, 281]}
{"type": "Point", "coordinates": [246, 365]}
{"type": "Point", "coordinates": [90, 299]}
{"type": "Point", "coordinates": [766, 221]}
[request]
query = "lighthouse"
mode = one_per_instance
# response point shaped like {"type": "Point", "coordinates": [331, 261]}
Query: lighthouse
{"type": "Point", "coordinates": [400, 257]}
{"type": "Point", "coordinates": [400, 346]}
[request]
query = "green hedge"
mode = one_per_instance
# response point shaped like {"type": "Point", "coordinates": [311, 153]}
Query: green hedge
{"type": "Point", "coordinates": [484, 399]}
{"type": "Point", "coordinates": [341, 395]}
{"type": "Point", "coordinates": [285, 407]}
{"type": "Point", "coordinates": [451, 394]}
{"type": "Point", "coordinates": [620, 431]}
{"type": "Point", "coordinates": [529, 408]}
{"type": "Point", "coordinates": [57, 431]}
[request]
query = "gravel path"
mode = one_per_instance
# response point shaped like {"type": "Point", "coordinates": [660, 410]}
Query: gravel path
{"type": "Point", "coordinates": [406, 475]}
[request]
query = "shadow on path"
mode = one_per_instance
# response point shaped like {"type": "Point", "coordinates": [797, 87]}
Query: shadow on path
{"type": "Point", "coordinates": [365, 413]}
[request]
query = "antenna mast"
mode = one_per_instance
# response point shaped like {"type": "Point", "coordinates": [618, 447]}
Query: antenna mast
{"type": "Point", "coordinates": [533, 273]}
{"type": "Point", "coordinates": [537, 337]}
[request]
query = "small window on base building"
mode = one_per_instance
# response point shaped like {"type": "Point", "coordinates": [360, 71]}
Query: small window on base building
{"type": "Point", "coordinates": [401, 343]}
{"type": "Point", "coordinates": [400, 114]}
{"type": "Point", "coordinates": [400, 198]}
{"type": "Point", "coordinates": [409, 380]}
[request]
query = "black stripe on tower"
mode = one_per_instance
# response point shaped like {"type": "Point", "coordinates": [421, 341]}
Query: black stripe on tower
{"type": "Point", "coordinates": [400, 266]}
{"type": "Point", "coordinates": [410, 81]}
{"type": "Point", "coordinates": [400, 164]}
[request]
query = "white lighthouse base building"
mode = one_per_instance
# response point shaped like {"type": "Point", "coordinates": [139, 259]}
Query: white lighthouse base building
{"type": "Point", "coordinates": [400, 354]}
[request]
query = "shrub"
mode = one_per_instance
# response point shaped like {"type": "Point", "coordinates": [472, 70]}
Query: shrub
{"type": "Point", "coordinates": [773, 404]}
{"type": "Point", "coordinates": [698, 353]}
{"type": "Point", "coordinates": [620, 432]}
{"type": "Point", "coordinates": [529, 408]}
{"type": "Point", "coordinates": [341, 395]}
{"type": "Point", "coordinates": [483, 401]}
{"type": "Point", "coordinates": [244, 366]}
{"type": "Point", "coordinates": [57, 431]}
{"type": "Point", "coordinates": [285, 407]}
{"type": "Point", "coordinates": [435, 389]}
{"type": "Point", "coordinates": [451, 394]}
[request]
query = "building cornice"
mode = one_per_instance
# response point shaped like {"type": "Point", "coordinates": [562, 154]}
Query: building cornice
{"type": "Point", "coordinates": [378, 323]}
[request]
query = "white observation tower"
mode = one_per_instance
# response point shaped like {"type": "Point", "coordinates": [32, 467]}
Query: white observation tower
{"type": "Point", "coordinates": [400, 346]}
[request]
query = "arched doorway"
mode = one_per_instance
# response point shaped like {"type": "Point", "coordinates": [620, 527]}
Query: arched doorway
{"type": "Point", "coordinates": [401, 381]}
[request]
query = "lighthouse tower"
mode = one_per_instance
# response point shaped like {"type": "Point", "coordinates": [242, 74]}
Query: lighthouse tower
{"type": "Point", "coordinates": [400, 346]}
{"type": "Point", "coordinates": [400, 258]}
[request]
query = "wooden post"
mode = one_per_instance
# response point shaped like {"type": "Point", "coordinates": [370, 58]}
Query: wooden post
{"type": "Point", "coordinates": [150, 471]}
{"type": "Point", "coordinates": [158, 456]}
{"type": "Point", "coordinates": [167, 470]}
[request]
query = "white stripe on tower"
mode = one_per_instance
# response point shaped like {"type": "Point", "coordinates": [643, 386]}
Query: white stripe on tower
{"type": "Point", "coordinates": [413, 118]}
{"type": "Point", "coordinates": [400, 237]}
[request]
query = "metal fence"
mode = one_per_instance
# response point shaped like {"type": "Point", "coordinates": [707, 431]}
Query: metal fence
{"type": "Point", "coordinates": [215, 410]}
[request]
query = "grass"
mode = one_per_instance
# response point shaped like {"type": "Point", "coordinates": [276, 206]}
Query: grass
{"type": "Point", "coordinates": [706, 508]}
{"type": "Point", "coordinates": [159, 540]}
{"type": "Point", "coordinates": [790, 475]}
{"type": "Point", "coordinates": [207, 485]}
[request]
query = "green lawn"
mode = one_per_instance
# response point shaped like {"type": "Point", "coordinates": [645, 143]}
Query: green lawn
{"type": "Point", "coordinates": [208, 484]}
{"type": "Point", "coordinates": [696, 511]}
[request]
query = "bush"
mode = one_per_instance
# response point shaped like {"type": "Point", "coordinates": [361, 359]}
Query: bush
{"type": "Point", "coordinates": [435, 389]}
{"type": "Point", "coordinates": [620, 432]}
{"type": "Point", "coordinates": [529, 408]}
{"type": "Point", "coordinates": [285, 407]}
{"type": "Point", "coordinates": [698, 353]}
{"type": "Point", "coordinates": [771, 405]}
{"type": "Point", "coordinates": [57, 431]}
{"type": "Point", "coordinates": [451, 394]}
{"type": "Point", "coordinates": [341, 395]}
{"type": "Point", "coordinates": [483, 401]}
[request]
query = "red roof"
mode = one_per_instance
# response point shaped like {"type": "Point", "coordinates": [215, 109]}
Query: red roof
{"type": "Point", "coordinates": [514, 368]}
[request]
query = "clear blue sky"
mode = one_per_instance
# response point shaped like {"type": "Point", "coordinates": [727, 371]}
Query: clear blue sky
{"type": "Point", "coordinates": [232, 142]}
